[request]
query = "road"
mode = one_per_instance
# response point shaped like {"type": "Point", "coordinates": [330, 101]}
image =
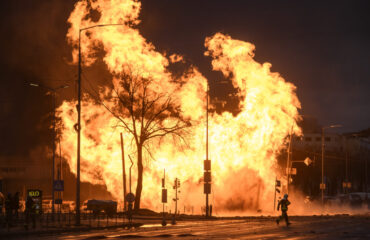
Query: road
{"type": "Point", "coordinates": [313, 227]}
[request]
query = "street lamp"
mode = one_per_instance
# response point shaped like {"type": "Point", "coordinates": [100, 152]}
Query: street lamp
{"type": "Point", "coordinates": [78, 125]}
{"type": "Point", "coordinates": [53, 90]}
{"type": "Point", "coordinates": [322, 185]}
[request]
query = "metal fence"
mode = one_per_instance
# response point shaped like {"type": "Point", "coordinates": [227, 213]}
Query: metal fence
{"type": "Point", "coordinates": [22, 221]}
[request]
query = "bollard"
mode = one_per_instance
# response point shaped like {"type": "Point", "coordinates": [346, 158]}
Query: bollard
{"type": "Point", "coordinates": [107, 221]}
{"type": "Point", "coordinates": [98, 219]}
{"type": "Point", "coordinates": [116, 219]}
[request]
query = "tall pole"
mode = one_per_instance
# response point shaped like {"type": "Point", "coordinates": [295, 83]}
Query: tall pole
{"type": "Point", "coordinates": [288, 165]}
{"type": "Point", "coordinates": [322, 166]}
{"type": "Point", "coordinates": [53, 91]}
{"type": "Point", "coordinates": [207, 207]}
{"type": "Point", "coordinates": [123, 174]}
{"type": "Point", "coordinates": [176, 197]}
{"type": "Point", "coordinates": [79, 117]}
{"type": "Point", "coordinates": [346, 181]}
{"type": "Point", "coordinates": [60, 194]}
{"type": "Point", "coordinates": [53, 170]}
{"type": "Point", "coordinates": [78, 133]}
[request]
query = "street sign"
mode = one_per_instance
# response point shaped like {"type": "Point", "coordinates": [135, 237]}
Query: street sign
{"type": "Point", "coordinates": [130, 197]}
{"type": "Point", "coordinates": [322, 186]}
{"type": "Point", "coordinates": [164, 195]}
{"type": "Point", "coordinates": [293, 171]}
{"type": "Point", "coordinates": [58, 185]}
{"type": "Point", "coordinates": [307, 161]}
{"type": "Point", "coordinates": [36, 196]}
{"type": "Point", "coordinates": [58, 201]}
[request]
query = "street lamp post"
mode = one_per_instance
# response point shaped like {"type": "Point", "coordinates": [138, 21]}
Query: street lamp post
{"type": "Point", "coordinates": [322, 186]}
{"type": "Point", "coordinates": [53, 91]}
{"type": "Point", "coordinates": [78, 125]}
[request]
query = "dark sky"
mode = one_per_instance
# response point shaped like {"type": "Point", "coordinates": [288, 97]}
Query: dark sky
{"type": "Point", "coordinates": [320, 46]}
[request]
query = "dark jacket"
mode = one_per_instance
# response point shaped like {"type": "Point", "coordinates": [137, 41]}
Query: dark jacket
{"type": "Point", "coordinates": [284, 204]}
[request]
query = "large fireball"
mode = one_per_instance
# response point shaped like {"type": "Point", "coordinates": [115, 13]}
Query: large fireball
{"type": "Point", "coordinates": [243, 148]}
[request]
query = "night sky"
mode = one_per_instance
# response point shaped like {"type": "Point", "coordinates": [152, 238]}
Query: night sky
{"type": "Point", "coordinates": [323, 47]}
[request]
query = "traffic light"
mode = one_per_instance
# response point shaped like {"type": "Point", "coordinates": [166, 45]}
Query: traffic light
{"type": "Point", "coordinates": [178, 183]}
{"type": "Point", "coordinates": [207, 177]}
{"type": "Point", "coordinates": [164, 195]}
{"type": "Point", "coordinates": [277, 185]}
{"type": "Point", "coordinates": [207, 165]}
{"type": "Point", "coordinates": [207, 188]}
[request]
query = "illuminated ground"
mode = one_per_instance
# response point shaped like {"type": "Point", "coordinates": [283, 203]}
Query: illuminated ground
{"type": "Point", "coordinates": [320, 227]}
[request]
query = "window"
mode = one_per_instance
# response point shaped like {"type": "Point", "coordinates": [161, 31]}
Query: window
{"type": "Point", "coordinates": [327, 139]}
{"type": "Point", "coordinates": [318, 139]}
{"type": "Point", "coordinates": [308, 139]}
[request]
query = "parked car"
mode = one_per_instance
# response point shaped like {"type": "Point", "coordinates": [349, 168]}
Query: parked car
{"type": "Point", "coordinates": [96, 206]}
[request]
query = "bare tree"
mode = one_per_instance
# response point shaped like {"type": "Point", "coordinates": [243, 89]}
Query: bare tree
{"type": "Point", "coordinates": [146, 114]}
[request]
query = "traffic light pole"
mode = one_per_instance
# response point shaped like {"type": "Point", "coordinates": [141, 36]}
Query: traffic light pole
{"type": "Point", "coordinates": [176, 196]}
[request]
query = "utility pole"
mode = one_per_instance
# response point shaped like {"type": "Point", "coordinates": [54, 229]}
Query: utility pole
{"type": "Point", "coordinates": [288, 159]}
{"type": "Point", "coordinates": [53, 171]}
{"type": "Point", "coordinates": [207, 162]}
{"type": "Point", "coordinates": [78, 125]}
{"type": "Point", "coordinates": [322, 166]}
{"type": "Point", "coordinates": [123, 174]}
{"type": "Point", "coordinates": [78, 129]}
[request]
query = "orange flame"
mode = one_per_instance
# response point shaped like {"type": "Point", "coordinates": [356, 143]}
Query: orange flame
{"type": "Point", "coordinates": [243, 148]}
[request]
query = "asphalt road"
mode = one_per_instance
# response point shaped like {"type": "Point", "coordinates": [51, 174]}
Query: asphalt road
{"type": "Point", "coordinates": [315, 227]}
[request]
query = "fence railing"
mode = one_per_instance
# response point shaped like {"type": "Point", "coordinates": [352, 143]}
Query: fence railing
{"type": "Point", "coordinates": [24, 221]}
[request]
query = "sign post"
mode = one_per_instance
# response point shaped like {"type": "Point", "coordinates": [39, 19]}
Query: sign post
{"type": "Point", "coordinates": [36, 196]}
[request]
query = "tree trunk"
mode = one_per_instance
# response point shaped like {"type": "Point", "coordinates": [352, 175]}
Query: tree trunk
{"type": "Point", "coordinates": [140, 170]}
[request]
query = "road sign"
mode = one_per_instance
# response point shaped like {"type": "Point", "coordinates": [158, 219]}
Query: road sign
{"type": "Point", "coordinates": [58, 201]}
{"type": "Point", "coordinates": [130, 197]}
{"type": "Point", "coordinates": [307, 161]}
{"type": "Point", "coordinates": [58, 185]}
{"type": "Point", "coordinates": [293, 171]}
{"type": "Point", "coordinates": [322, 185]}
{"type": "Point", "coordinates": [36, 196]}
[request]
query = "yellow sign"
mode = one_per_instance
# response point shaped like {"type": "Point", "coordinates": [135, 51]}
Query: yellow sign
{"type": "Point", "coordinates": [34, 193]}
